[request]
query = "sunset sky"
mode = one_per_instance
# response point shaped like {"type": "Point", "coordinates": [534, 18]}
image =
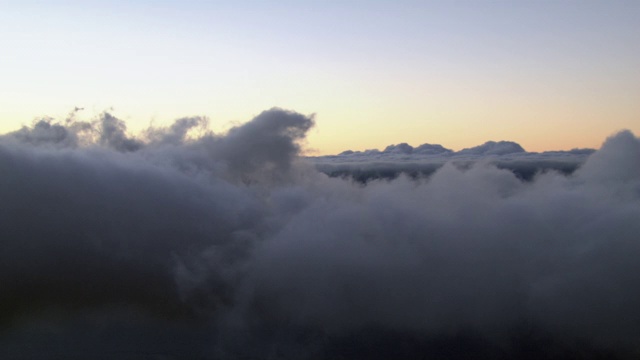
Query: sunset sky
{"type": "Point", "coordinates": [129, 230]}
{"type": "Point", "coordinates": [549, 75]}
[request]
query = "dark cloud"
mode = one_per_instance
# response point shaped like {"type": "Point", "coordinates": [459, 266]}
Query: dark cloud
{"type": "Point", "coordinates": [46, 132]}
{"type": "Point", "coordinates": [113, 134]}
{"type": "Point", "coordinates": [231, 246]}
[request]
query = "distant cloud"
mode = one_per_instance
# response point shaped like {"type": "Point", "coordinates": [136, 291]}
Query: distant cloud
{"type": "Point", "coordinates": [425, 159]}
{"type": "Point", "coordinates": [494, 148]}
{"type": "Point", "coordinates": [229, 246]}
{"type": "Point", "coordinates": [431, 149]}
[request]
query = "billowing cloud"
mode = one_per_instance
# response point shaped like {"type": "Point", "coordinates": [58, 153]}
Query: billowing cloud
{"type": "Point", "coordinates": [229, 246]}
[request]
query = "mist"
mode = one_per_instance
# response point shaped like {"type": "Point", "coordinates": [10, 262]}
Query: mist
{"type": "Point", "coordinates": [183, 243]}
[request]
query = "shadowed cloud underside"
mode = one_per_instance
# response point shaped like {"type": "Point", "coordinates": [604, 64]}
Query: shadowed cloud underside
{"type": "Point", "coordinates": [184, 243]}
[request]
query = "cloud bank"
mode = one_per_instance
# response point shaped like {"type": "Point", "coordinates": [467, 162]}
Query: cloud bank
{"type": "Point", "coordinates": [424, 160]}
{"type": "Point", "coordinates": [182, 243]}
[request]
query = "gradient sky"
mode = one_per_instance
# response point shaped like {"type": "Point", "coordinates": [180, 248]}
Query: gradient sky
{"type": "Point", "coordinates": [549, 75]}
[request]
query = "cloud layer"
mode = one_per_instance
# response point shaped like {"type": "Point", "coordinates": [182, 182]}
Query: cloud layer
{"type": "Point", "coordinates": [182, 243]}
{"type": "Point", "coordinates": [424, 160]}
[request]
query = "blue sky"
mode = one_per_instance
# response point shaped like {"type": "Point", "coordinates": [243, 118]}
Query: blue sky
{"type": "Point", "coordinates": [548, 74]}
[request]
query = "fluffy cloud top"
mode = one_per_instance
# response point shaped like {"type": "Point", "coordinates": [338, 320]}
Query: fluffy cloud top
{"type": "Point", "coordinates": [229, 246]}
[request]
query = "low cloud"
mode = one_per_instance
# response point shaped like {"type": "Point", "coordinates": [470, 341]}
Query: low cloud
{"type": "Point", "coordinates": [229, 246]}
{"type": "Point", "coordinates": [424, 160]}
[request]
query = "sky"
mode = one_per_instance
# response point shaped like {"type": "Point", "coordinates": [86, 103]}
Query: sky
{"type": "Point", "coordinates": [550, 75]}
